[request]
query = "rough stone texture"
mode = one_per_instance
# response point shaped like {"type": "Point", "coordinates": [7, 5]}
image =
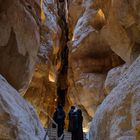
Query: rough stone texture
{"type": "Point", "coordinates": [122, 29]}
{"type": "Point", "coordinates": [74, 14]}
{"type": "Point", "coordinates": [120, 26]}
{"type": "Point", "coordinates": [42, 89]}
{"type": "Point", "coordinates": [20, 22]}
{"type": "Point", "coordinates": [42, 93]}
{"type": "Point", "coordinates": [18, 119]}
{"type": "Point", "coordinates": [96, 29]}
{"type": "Point", "coordinates": [90, 56]}
{"type": "Point", "coordinates": [99, 31]}
{"type": "Point", "coordinates": [114, 76]}
{"type": "Point", "coordinates": [19, 40]}
{"type": "Point", "coordinates": [118, 117]}
{"type": "Point", "coordinates": [87, 92]}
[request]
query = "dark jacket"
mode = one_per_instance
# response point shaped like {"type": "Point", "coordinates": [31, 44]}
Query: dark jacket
{"type": "Point", "coordinates": [59, 118]}
{"type": "Point", "coordinates": [77, 122]}
{"type": "Point", "coordinates": [70, 120]}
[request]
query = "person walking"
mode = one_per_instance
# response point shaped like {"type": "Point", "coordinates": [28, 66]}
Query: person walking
{"type": "Point", "coordinates": [70, 118]}
{"type": "Point", "coordinates": [74, 125]}
{"type": "Point", "coordinates": [80, 125]}
{"type": "Point", "coordinates": [77, 124]}
{"type": "Point", "coordinates": [59, 118]}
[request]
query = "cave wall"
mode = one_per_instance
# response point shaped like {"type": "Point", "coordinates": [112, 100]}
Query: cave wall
{"type": "Point", "coordinates": [42, 89]}
{"type": "Point", "coordinates": [18, 119]}
{"type": "Point", "coordinates": [118, 115]}
{"type": "Point", "coordinates": [19, 43]}
{"type": "Point", "coordinates": [102, 76]}
{"type": "Point", "coordinates": [103, 35]}
{"type": "Point", "coordinates": [90, 56]}
{"type": "Point", "coordinates": [20, 38]}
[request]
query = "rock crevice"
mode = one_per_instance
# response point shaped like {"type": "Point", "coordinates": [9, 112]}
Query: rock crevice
{"type": "Point", "coordinates": [80, 52]}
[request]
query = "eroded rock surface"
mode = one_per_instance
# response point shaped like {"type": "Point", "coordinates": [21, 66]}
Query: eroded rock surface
{"type": "Point", "coordinates": [103, 35]}
{"type": "Point", "coordinates": [19, 40]}
{"type": "Point", "coordinates": [18, 119]}
{"type": "Point", "coordinates": [122, 29]}
{"type": "Point", "coordinates": [19, 43]}
{"type": "Point", "coordinates": [118, 117]}
{"type": "Point", "coordinates": [42, 91]}
{"type": "Point", "coordinates": [90, 56]}
{"type": "Point", "coordinates": [114, 76]}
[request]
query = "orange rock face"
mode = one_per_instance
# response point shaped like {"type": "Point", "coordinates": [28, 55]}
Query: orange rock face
{"type": "Point", "coordinates": [42, 91]}
{"type": "Point", "coordinates": [19, 43]}
{"type": "Point", "coordinates": [18, 119]}
{"type": "Point", "coordinates": [19, 40]}
{"type": "Point", "coordinates": [79, 49]}
{"type": "Point", "coordinates": [118, 115]}
{"type": "Point", "coordinates": [116, 118]}
{"type": "Point", "coordinates": [90, 57]}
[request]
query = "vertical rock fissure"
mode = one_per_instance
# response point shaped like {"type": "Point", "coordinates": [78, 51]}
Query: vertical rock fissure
{"type": "Point", "coordinates": [62, 85]}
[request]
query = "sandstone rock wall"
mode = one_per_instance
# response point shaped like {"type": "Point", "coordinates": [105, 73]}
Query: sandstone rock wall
{"type": "Point", "coordinates": [19, 40]}
{"type": "Point", "coordinates": [42, 92]}
{"type": "Point", "coordinates": [18, 119]}
{"type": "Point", "coordinates": [42, 89]}
{"type": "Point", "coordinates": [122, 29]}
{"type": "Point", "coordinates": [20, 22]}
{"type": "Point", "coordinates": [90, 56]}
{"type": "Point", "coordinates": [103, 35]}
{"type": "Point", "coordinates": [118, 116]}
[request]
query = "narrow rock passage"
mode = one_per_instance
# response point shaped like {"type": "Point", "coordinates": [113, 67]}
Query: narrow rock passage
{"type": "Point", "coordinates": [84, 52]}
{"type": "Point", "coordinates": [62, 84]}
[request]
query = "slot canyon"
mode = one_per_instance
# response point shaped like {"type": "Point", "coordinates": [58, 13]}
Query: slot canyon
{"type": "Point", "coordinates": [70, 52]}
